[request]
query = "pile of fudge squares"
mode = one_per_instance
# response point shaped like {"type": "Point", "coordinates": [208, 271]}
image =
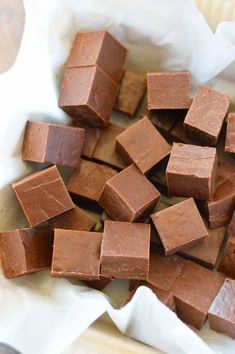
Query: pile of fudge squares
{"type": "Point", "coordinates": [163, 188]}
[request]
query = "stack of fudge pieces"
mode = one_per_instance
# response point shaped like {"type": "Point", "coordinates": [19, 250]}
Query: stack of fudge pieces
{"type": "Point", "coordinates": [164, 187]}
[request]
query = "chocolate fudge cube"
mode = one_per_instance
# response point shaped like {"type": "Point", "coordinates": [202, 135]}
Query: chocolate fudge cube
{"type": "Point", "coordinates": [88, 181]}
{"type": "Point", "coordinates": [168, 90]}
{"type": "Point", "coordinates": [98, 48]}
{"type": "Point", "coordinates": [191, 171]}
{"type": "Point", "coordinates": [105, 150]}
{"type": "Point", "coordinates": [142, 144]}
{"type": "Point", "coordinates": [128, 195]}
{"type": "Point", "coordinates": [194, 291]}
{"type": "Point", "coordinates": [131, 90]}
{"type": "Point", "coordinates": [26, 251]}
{"type": "Point", "coordinates": [205, 117]}
{"type": "Point", "coordinates": [52, 143]}
{"type": "Point", "coordinates": [179, 226]}
{"type": "Point", "coordinates": [76, 254]}
{"type": "Point", "coordinates": [43, 195]}
{"type": "Point", "coordinates": [74, 219]}
{"type": "Point", "coordinates": [88, 95]}
{"type": "Point", "coordinates": [125, 250]}
{"type": "Point", "coordinates": [221, 314]}
{"type": "Point", "coordinates": [230, 135]}
{"type": "Point", "coordinates": [227, 262]}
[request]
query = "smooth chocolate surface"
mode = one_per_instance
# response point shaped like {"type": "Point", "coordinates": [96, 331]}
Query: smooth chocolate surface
{"type": "Point", "coordinates": [88, 181]}
{"type": "Point", "coordinates": [227, 263]}
{"type": "Point", "coordinates": [179, 226]}
{"type": "Point", "coordinates": [76, 254]}
{"type": "Point", "coordinates": [53, 143]}
{"type": "Point", "coordinates": [128, 195]}
{"type": "Point", "coordinates": [26, 251]}
{"type": "Point", "coordinates": [74, 219]}
{"type": "Point", "coordinates": [105, 150]}
{"type": "Point", "coordinates": [191, 171]}
{"type": "Point", "coordinates": [43, 195]}
{"type": "Point", "coordinates": [98, 48]}
{"type": "Point", "coordinates": [88, 95]}
{"type": "Point", "coordinates": [131, 91]}
{"type": "Point", "coordinates": [125, 250]}
{"type": "Point", "coordinates": [142, 144]}
{"type": "Point", "coordinates": [222, 312]}
{"type": "Point", "coordinates": [168, 90]}
{"type": "Point", "coordinates": [194, 291]}
{"type": "Point", "coordinates": [230, 135]}
{"type": "Point", "coordinates": [206, 115]}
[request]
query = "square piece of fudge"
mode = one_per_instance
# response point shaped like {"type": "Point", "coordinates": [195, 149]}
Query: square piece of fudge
{"type": "Point", "coordinates": [205, 117]}
{"type": "Point", "coordinates": [230, 134]}
{"type": "Point", "coordinates": [221, 314]}
{"type": "Point", "coordinates": [43, 195]}
{"type": "Point", "coordinates": [125, 250]}
{"type": "Point", "coordinates": [142, 144]}
{"type": "Point", "coordinates": [128, 195]}
{"type": "Point", "coordinates": [76, 254]}
{"type": "Point", "coordinates": [53, 143]}
{"type": "Point", "coordinates": [88, 95]}
{"type": "Point", "coordinates": [179, 226]}
{"type": "Point", "coordinates": [168, 90]}
{"type": "Point", "coordinates": [26, 251]}
{"type": "Point", "coordinates": [98, 48]}
{"type": "Point", "coordinates": [191, 171]}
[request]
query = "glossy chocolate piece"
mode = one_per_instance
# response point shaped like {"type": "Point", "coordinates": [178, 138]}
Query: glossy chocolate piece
{"type": "Point", "coordinates": [88, 181]}
{"type": "Point", "coordinates": [227, 263]}
{"type": "Point", "coordinates": [230, 135]}
{"type": "Point", "coordinates": [74, 219]}
{"type": "Point", "coordinates": [207, 252]}
{"type": "Point", "coordinates": [131, 91]}
{"type": "Point", "coordinates": [191, 171]}
{"type": "Point", "coordinates": [194, 291]}
{"type": "Point", "coordinates": [26, 251]}
{"type": "Point", "coordinates": [168, 90]}
{"type": "Point", "coordinates": [82, 98]}
{"type": "Point", "coordinates": [98, 48]}
{"type": "Point", "coordinates": [142, 144]}
{"type": "Point", "coordinates": [53, 143]}
{"type": "Point", "coordinates": [221, 314]}
{"type": "Point", "coordinates": [208, 106]}
{"type": "Point", "coordinates": [105, 150]}
{"type": "Point", "coordinates": [128, 195]}
{"type": "Point", "coordinates": [179, 226]}
{"type": "Point", "coordinates": [43, 195]}
{"type": "Point", "coordinates": [76, 254]}
{"type": "Point", "coordinates": [125, 250]}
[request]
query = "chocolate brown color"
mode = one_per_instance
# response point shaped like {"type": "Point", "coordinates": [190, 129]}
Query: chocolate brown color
{"type": "Point", "coordinates": [221, 313]}
{"type": "Point", "coordinates": [52, 143]}
{"type": "Point", "coordinates": [92, 135]}
{"type": "Point", "coordinates": [179, 226]}
{"type": "Point", "coordinates": [74, 219]}
{"type": "Point", "coordinates": [230, 135]}
{"type": "Point", "coordinates": [231, 226]}
{"type": "Point", "coordinates": [125, 250]}
{"type": "Point", "coordinates": [98, 48]}
{"type": "Point", "coordinates": [131, 91]}
{"type": "Point", "coordinates": [168, 90]}
{"type": "Point", "coordinates": [42, 195]}
{"type": "Point", "coordinates": [88, 181]}
{"type": "Point", "coordinates": [76, 254]}
{"type": "Point", "coordinates": [206, 115]}
{"type": "Point", "coordinates": [142, 144]}
{"type": "Point", "coordinates": [88, 95]}
{"type": "Point", "coordinates": [26, 251]}
{"type": "Point", "coordinates": [227, 263]}
{"type": "Point", "coordinates": [128, 195]}
{"type": "Point", "coordinates": [164, 119]}
{"type": "Point", "coordinates": [99, 284]}
{"type": "Point", "coordinates": [191, 171]}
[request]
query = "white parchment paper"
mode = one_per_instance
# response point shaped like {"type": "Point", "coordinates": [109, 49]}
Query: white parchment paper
{"type": "Point", "coordinates": [42, 315]}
